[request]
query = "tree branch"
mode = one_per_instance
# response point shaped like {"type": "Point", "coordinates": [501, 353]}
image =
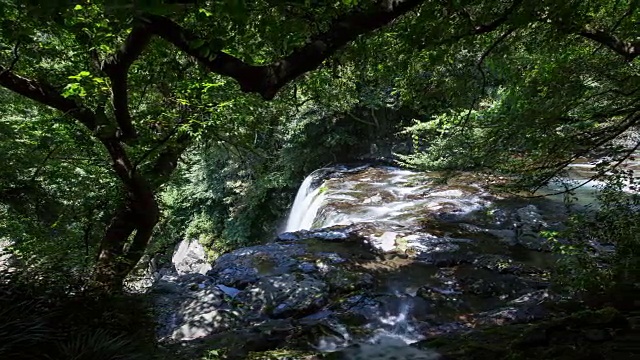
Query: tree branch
{"type": "Point", "coordinates": [474, 30]}
{"type": "Point", "coordinates": [479, 65]}
{"type": "Point", "coordinates": [117, 69]}
{"type": "Point", "coordinates": [631, 120]}
{"type": "Point", "coordinates": [267, 80]}
{"type": "Point", "coordinates": [485, 28]}
{"type": "Point", "coordinates": [630, 50]}
{"type": "Point", "coordinates": [47, 95]}
{"type": "Point", "coordinates": [16, 57]}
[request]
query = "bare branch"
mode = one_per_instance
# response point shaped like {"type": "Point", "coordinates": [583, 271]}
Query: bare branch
{"type": "Point", "coordinates": [595, 176]}
{"type": "Point", "coordinates": [631, 120]}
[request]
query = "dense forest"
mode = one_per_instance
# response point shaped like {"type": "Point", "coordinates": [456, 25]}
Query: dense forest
{"type": "Point", "coordinates": [127, 127]}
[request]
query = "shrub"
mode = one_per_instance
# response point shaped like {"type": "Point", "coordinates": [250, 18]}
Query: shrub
{"type": "Point", "coordinates": [51, 316]}
{"type": "Point", "coordinates": [600, 250]}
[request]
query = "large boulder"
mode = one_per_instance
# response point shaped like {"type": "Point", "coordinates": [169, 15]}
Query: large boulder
{"type": "Point", "coordinates": [287, 295]}
{"type": "Point", "coordinates": [190, 257]}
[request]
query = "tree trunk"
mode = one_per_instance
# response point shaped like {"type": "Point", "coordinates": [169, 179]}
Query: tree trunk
{"type": "Point", "coordinates": [125, 240]}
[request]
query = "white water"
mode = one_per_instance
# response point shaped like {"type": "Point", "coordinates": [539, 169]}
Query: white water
{"type": "Point", "coordinates": [375, 195]}
{"type": "Point", "coordinates": [395, 330]}
{"type": "Point", "coordinates": [394, 200]}
{"type": "Point", "coordinates": [304, 207]}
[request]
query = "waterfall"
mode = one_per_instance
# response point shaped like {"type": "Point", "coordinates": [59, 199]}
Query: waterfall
{"type": "Point", "coordinates": [305, 207]}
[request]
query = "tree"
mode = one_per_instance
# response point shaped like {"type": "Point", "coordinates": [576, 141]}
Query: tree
{"type": "Point", "coordinates": [536, 91]}
{"type": "Point", "coordinates": [45, 49]}
{"type": "Point", "coordinates": [146, 83]}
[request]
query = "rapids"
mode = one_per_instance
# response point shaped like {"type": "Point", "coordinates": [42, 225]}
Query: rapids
{"type": "Point", "coordinates": [394, 207]}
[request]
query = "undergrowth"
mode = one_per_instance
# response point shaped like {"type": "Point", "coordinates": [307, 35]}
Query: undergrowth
{"type": "Point", "coordinates": [51, 316]}
{"type": "Point", "coordinates": [600, 249]}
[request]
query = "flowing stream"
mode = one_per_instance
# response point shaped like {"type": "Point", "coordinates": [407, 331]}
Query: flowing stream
{"type": "Point", "coordinates": [393, 204]}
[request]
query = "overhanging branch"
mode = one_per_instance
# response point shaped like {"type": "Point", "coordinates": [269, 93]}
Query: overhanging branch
{"type": "Point", "coordinates": [630, 50]}
{"type": "Point", "coordinates": [47, 95]}
{"type": "Point", "coordinates": [485, 28]}
{"type": "Point", "coordinates": [267, 80]}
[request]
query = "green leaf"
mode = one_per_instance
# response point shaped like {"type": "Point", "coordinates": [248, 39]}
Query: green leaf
{"type": "Point", "coordinates": [205, 12]}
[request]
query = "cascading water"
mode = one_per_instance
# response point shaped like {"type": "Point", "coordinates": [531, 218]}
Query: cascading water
{"type": "Point", "coordinates": [391, 205]}
{"type": "Point", "coordinates": [393, 331]}
{"type": "Point", "coordinates": [305, 206]}
{"type": "Point", "coordinates": [384, 196]}
{"type": "Point", "coordinates": [374, 195]}
{"type": "Point", "coordinates": [387, 208]}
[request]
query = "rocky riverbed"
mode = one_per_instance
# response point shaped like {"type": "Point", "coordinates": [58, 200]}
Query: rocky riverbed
{"type": "Point", "coordinates": [373, 254]}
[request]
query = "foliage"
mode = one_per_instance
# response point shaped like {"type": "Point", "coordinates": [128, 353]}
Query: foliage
{"type": "Point", "coordinates": [236, 196]}
{"type": "Point", "coordinates": [601, 249]}
{"type": "Point", "coordinates": [55, 194]}
{"type": "Point", "coordinates": [126, 84]}
{"type": "Point", "coordinates": [47, 316]}
{"type": "Point", "coordinates": [524, 100]}
{"type": "Point", "coordinates": [108, 99]}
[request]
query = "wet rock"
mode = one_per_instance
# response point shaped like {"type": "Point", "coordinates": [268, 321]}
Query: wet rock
{"type": "Point", "coordinates": [329, 258]}
{"type": "Point", "coordinates": [288, 236]}
{"type": "Point", "coordinates": [384, 243]}
{"type": "Point", "coordinates": [229, 291]}
{"type": "Point", "coordinates": [530, 217]}
{"type": "Point", "coordinates": [443, 301]}
{"type": "Point", "coordinates": [512, 315]}
{"type": "Point", "coordinates": [344, 281]}
{"type": "Point", "coordinates": [335, 233]}
{"type": "Point", "coordinates": [528, 226]}
{"type": "Point", "coordinates": [526, 308]}
{"type": "Point", "coordinates": [357, 306]}
{"type": "Point", "coordinates": [307, 267]}
{"type": "Point", "coordinates": [500, 286]}
{"type": "Point", "coordinates": [532, 298]}
{"type": "Point", "coordinates": [444, 259]}
{"type": "Point", "coordinates": [285, 295]}
{"type": "Point", "coordinates": [245, 266]}
{"type": "Point", "coordinates": [353, 319]}
{"type": "Point", "coordinates": [507, 235]}
{"type": "Point", "coordinates": [315, 317]}
{"type": "Point", "coordinates": [504, 265]}
{"type": "Point", "coordinates": [420, 244]}
{"type": "Point", "coordinates": [377, 198]}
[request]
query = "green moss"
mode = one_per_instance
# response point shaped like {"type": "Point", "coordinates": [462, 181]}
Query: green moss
{"type": "Point", "coordinates": [281, 354]}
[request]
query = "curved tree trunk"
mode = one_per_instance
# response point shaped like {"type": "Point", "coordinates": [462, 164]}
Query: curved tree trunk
{"type": "Point", "coordinates": [125, 240]}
